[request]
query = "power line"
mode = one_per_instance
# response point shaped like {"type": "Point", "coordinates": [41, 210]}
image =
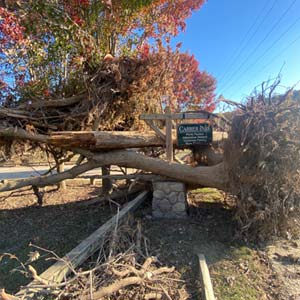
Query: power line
{"type": "Point", "coordinates": [260, 43]}
{"type": "Point", "coordinates": [240, 49]}
{"type": "Point", "coordinates": [274, 58]}
{"type": "Point", "coordinates": [268, 49]}
{"type": "Point", "coordinates": [278, 55]}
{"type": "Point", "coordinates": [252, 36]}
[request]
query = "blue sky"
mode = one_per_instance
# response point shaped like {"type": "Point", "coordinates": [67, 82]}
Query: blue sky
{"type": "Point", "coordinates": [245, 42]}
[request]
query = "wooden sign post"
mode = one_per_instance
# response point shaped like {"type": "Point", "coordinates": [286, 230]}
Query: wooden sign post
{"type": "Point", "coordinates": [168, 116]}
{"type": "Point", "coordinates": [169, 141]}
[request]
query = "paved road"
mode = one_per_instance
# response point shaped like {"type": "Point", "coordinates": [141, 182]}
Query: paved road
{"type": "Point", "coordinates": [24, 172]}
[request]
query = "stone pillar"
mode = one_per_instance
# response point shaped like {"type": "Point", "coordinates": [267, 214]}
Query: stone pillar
{"type": "Point", "coordinates": [169, 200]}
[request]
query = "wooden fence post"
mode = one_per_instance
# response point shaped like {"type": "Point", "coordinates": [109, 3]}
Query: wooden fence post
{"type": "Point", "coordinates": [106, 182]}
{"type": "Point", "coordinates": [60, 169]}
{"type": "Point", "coordinates": [169, 142]}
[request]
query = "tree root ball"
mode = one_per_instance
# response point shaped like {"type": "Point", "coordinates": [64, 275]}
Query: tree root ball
{"type": "Point", "coordinates": [262, 157]}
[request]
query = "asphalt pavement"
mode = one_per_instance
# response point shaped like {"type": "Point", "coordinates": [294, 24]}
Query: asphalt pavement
{"type": "Point", "coordinates": [25, 172]}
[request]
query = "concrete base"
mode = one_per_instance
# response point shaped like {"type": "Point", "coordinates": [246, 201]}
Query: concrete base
{"type": "Point", "coordinates": [169, 200]}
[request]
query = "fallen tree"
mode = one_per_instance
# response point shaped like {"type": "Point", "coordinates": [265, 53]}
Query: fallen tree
{"type": "Point", "coordinates": [214, 176]}
{"type": "Point", "coordinates": [96, 140]}
{"type": "Point", "coordinates": [112, 97]}
{"type": "Point", "coordinates": [259, 165]}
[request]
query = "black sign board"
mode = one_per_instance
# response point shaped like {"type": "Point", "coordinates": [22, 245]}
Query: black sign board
{"type": "Point", "coordinates": [194, 134]}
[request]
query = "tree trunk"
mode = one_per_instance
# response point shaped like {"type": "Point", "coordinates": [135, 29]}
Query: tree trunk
{"type": "Point", "coordinates": [214, 176]}
{"type": "Point", "coordinates": [61, 169]}
{"type": "Point", "coordinates": [97, 140]}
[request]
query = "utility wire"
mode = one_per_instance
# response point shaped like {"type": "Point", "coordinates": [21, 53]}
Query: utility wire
{"type": "Point", "coordinates": [259, 44]}
{"type": "Point", "coordinates": [274, 58]}
{"type": "Point", "coordinates": [237, 53]}
{"type": "Point", "coordinates": [279, 54]}
{"type": "Point", "coordinates": [265, 17]}
{"type": "Point", "coordinates": [267, 50]}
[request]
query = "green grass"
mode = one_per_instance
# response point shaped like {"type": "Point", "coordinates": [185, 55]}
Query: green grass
{"type": "Point", "coordinates": [209, 194]}
{"type": "Point", "coordinates": [236, 278]}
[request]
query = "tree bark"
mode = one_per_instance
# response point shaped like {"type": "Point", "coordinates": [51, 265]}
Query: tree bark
{"type": "Point", "coordinates": [97, 140]}
{"type": "Point", "coordinates": [214, 176]}
{"type": "Point", "coordinates": [21, 134]}
{"type": "Point", "coordinates": [54, 103]}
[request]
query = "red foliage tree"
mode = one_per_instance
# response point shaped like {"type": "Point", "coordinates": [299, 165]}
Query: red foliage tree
{"type": "Point", "coordinates": [58, 41]}
{"type": "Point", "coordinates": [193, 88]}
{"type": "Point", "coordinates": [10, 29]}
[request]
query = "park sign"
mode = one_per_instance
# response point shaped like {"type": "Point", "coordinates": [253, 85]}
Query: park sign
{"type": "Point", "coordinates": [194, 134]}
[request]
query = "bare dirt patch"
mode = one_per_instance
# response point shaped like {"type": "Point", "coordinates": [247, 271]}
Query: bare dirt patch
{"type": "Point", "coordinates": [59, 225]}
{"type": "Point", "coordinates": [285, 259]}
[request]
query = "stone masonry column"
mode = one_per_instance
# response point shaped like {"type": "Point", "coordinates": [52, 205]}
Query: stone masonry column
{"type": "Point", "coordinates": [169, 200]}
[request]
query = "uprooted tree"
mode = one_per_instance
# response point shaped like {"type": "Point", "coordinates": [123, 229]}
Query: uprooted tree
{"type": "Point", "coordinates": [82, 68]}
{"type": "Point", "coordinates": [89, 65]}
{"type": "Point", "coordinates": [260, 162]}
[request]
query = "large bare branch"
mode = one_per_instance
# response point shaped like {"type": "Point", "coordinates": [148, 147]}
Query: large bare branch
{"type": "Point", "coordinates": [16, 113]}
{"type": "Point", "coordinates": [21, 134]}
{"type": "Point", "coordinates": [214, 176]}
{"type": "Point", "coordinates": [54, 103]}
{"type": "Point", "coordinates": [9, 185]}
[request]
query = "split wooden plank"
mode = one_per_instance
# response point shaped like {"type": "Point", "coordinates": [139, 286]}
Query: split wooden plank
{"type": "Point", "coordinates": [58, 272]}
{"type": "Point", "coordinates": [208, 292]}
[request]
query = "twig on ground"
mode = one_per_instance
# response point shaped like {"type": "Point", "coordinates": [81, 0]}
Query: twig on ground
{"type": "Point", "coordinates": [36, 277]}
